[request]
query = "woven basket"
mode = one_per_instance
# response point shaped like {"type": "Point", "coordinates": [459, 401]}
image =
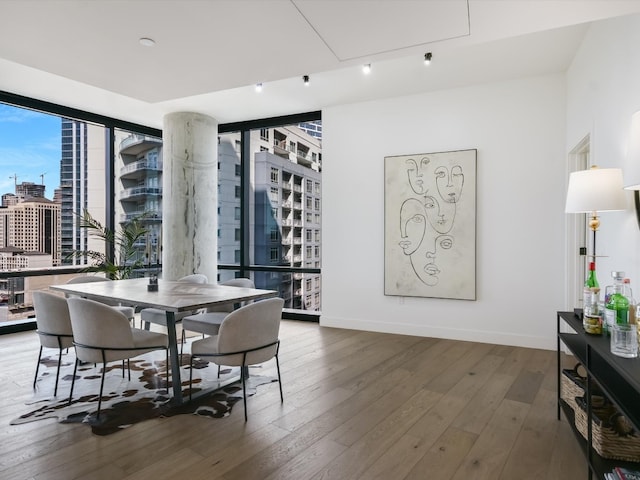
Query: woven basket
{"type": "Point", "coordinates": [573, 384]}
{"type": "Point", "coordinates": [612, 435]}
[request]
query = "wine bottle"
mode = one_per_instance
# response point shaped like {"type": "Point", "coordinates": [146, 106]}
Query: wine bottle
{"type": "Point", "coordinates": [591, 286]}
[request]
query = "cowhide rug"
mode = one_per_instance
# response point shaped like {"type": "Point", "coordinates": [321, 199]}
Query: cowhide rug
{"type": "Point", "coordinates": [124, 402]}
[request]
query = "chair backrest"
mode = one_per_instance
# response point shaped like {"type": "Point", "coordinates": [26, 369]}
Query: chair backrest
{"type": "Point", "coordinates": [52, 318]}
{"type": "Point", "coordinates": [234, 282]}
{"type": "Point", "coordinates": [249, 327]}
{"type": "Point", "coordinates": [194, 278]}
{"type": "Point", "coordinates": [98, 325]}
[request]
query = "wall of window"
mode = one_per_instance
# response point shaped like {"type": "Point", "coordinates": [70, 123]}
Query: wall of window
{"type": "Point", "coordinates": [269, 197]}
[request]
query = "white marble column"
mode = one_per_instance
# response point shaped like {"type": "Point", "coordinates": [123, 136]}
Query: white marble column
{"type": "Point", "coordinates": [189, 196]}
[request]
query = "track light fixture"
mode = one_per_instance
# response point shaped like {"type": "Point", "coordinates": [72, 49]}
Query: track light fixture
{"type": "Point", "coordinates": [427, 58]}
{"type": "Point", "coordinates": [366, 68]}
{"type": "Point", "coordinates": [305, 79]}
{"type": "Point", "coordinates": [258, 87]}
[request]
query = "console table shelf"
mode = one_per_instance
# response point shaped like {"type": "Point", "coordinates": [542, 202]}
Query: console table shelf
{"type": "Point", "coordinates": [618, 378]}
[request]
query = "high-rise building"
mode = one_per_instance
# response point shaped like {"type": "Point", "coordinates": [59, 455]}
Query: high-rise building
{"type": "Point", "coordinates": [82, 184]}
{"type": "Point", "coordinates": [29, 189]}
{"type": "Point", "coordinates": [312, 128]}
{"type": "Point", "coordinates": [32, 225]}
{"type": "Point", "coordinates": [287, 212]}
{"type": "Point", "coordinates": [139, 188]}
{"type": "Point", "coordinates": [9, 199]}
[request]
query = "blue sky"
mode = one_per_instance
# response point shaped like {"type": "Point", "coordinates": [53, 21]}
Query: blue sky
{"type": "Point", "coordinates": [29, 147]}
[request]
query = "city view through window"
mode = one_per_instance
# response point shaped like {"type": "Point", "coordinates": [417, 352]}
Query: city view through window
{"type": "Point", "coordinates": [54, 170]}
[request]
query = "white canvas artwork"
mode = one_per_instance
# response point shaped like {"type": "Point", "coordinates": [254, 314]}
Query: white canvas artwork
{"type": "Point", "coordinates": [430, 225]}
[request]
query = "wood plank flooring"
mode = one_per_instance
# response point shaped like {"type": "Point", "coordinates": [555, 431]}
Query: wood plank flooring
{"type": "Point", "coordinates": [357, 405]}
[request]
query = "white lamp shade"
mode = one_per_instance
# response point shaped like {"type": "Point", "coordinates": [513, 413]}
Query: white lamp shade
{"type": "Point", "coordinates": [595, 190]}
{"type": "Point", "coordinates": [633, 155]}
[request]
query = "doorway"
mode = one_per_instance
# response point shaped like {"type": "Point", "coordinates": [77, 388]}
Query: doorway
{"type": "Point", "coordinates": [577, 233]}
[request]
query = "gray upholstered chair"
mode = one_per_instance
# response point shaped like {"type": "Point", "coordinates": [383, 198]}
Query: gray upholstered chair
{"type": "Point", "coordinates": [208, 323]}
{"type": "Point", "coordinates": [247, 336]}
{"type": "Point", "coordinates": [159, 317]}
{"type": "Point", "coordinates": [128, 312]}
{"type": "Point", "coordinates": [101, 334]}
{"type": "Point", "coordinates": [54, 327]}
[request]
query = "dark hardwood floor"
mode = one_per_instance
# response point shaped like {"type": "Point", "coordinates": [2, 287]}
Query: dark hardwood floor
{"type": "Point", "coordinates": [358, 405]}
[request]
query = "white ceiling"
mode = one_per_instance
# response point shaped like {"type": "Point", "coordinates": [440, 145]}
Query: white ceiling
{"type": "Point", "coordinates": [209, 54]}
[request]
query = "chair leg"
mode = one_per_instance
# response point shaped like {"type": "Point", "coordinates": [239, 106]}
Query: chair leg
{"type": "Point", "coordinates": [184, 339]}
{"type": "Point", "coordinates": [168, 369]}
{"type": "Point", "coordinates": [279, 379]}
{"type": "Point", "coordinates": [218, 371]}
{"type": "Point", "coordinates": [55, 389]}
{"type": "Point", "coordinates": [104, 371]}
{"type": "Point", "coordinates": [35, 378]}
{"type": "Point", "coordinates": [244, 390]}
{"type": "Point", "coordinates": [191, 379]}
{"type": "Point", "coordinates": [73, 379]}
{"type": "Point", "coordinates": [128, 368]}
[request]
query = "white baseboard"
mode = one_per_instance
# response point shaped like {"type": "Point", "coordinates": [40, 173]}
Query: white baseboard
{"type": "Point", "coordinates": [499, 338]}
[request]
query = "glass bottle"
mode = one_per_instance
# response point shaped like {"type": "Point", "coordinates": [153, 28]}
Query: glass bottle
{"type": "Point", "coordinates": [632, 302]}
{"type": "Point", "coordinates": [592, 315]}
{"type": "Point", "coordinates": [591, 286]}
{"type": "Point", "coordinates": [616, 303]}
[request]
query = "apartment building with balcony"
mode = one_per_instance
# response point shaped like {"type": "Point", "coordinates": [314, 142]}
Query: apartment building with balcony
{"type": "Point", "coordinates": [287, 208]}
{"type": "Point", "coordinates": [138, 188]}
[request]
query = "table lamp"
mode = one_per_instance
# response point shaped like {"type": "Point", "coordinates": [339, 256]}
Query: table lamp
{"type": "Point", "coordinates": [634, 159]}
{"type": "Point", "coordinates": [595, 190]}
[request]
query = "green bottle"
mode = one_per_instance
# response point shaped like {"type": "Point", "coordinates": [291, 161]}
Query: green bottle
{"type": "Point", "coordinates": [617, 304]}
{"type": "Point", "coordinates": [591, 290]}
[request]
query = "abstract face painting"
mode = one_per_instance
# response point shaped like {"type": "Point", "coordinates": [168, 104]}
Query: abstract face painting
{"type": "Point", "coordinates": [430, 225]}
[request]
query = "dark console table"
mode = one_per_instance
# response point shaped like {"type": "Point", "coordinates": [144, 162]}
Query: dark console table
{"type": "Point", "coordinates": [618, 378]}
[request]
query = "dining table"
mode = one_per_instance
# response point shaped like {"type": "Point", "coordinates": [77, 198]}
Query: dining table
{"type": "Point", "coordinates": [172, 297]}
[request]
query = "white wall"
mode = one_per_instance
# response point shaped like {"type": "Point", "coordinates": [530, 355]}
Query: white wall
{"type": "Point", "coordinates": [603, 92]}
{"type": "Point", "coordinates": [518, 128]}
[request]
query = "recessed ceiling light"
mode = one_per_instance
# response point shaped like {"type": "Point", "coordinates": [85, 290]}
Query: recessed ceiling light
{"type": "Point", "coordinates": [305, 79]}
{"type": "Point", "coordinates": [147, 42]}
{"type": "Point", "coordinates": [366, 68]}
{"type": "Point", "coordinates": [427, 58]}
{"type": "Point", "coordinates": [258, 87]}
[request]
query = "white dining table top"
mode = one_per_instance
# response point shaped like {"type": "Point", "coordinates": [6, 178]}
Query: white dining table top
{"type": "Point", "coordinates": [172, 296]}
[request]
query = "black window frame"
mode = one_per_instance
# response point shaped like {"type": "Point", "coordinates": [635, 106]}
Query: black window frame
{"type": "Point", "coordinates": [111, 124]}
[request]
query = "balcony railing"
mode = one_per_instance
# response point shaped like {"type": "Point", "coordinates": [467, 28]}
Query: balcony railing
{"type": "Point", "coordinates": [140, 165]}
{"type": "Point", "coordinates": [280, 147]}
{"type": "Point", "coordinates": [140, 191]}
{"type": "Point", "coordinates": [151, 217]}
{"type": "Point", "coordinates": [135, 143]}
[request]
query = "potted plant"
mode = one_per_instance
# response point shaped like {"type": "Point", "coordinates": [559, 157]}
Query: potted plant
{"type": "Point", "coordinates": [123, 244]}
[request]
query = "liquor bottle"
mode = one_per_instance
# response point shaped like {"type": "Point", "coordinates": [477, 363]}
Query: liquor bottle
{"type": "Point", "coordinates": [616, 303]}
{"type": "Point", "coordinates": [632, 302]}
{"type": "Point", "coordinates": [591, 286]}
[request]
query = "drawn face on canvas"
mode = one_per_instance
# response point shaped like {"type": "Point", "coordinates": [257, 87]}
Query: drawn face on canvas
{"type": "Point", "coordinates": [412, 225]}
{"type": "Point", "coordinates": [440, 214]}
{"type": "Point", "coordinates": [416, 172]}
{"type": "Point", "coordinates": [430, 273]}
{"type": "Point", "coordinates": [449, 182]}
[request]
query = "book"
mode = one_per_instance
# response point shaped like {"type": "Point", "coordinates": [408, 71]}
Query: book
{"type": "Point", "coordinates": [626, 474]}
